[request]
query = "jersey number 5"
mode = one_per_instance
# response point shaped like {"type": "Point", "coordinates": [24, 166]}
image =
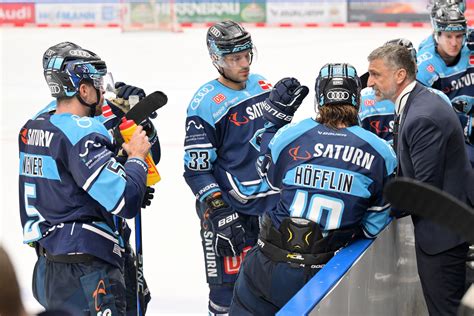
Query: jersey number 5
{"type": "Point", "coordinates": [31, 231]}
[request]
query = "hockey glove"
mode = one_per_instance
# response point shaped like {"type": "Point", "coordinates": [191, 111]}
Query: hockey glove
{"type": "Point", "coordinates": [123, 93]}
{"type": "Point", "coordinates": [149, 194]}
{"type": "Point", "coordinates": [470, 39]}
{"type": "Point", "coordinates": [284, 100]}
{"type": "Point", "coordinates": [463, 107]}
{"type": "Point", "coordinates": [229, 235]}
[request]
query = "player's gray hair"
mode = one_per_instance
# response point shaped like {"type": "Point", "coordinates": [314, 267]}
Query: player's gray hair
{"type": "Point", "coordinates": [395, 57]}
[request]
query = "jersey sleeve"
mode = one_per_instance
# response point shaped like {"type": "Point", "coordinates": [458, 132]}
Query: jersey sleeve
{"type": "Point", "coordinates": [378, 213]}
{"type": "Point", "coordinates": [200, 149]}
{"type": "Point", "coordinates": [427, 67]}
{"type": "Point", "coordinates": [91, 161]}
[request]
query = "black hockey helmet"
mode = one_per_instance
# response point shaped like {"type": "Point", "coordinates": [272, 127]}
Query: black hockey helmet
{"type": "Point", "coordinates": [337, 84]}
{"type": "Point", "coordinates": [448, 18]}
{"type": "Point", "coordinates": [227, 37]}
{"type": "Point", "coordinates": [67, 65]}
{"type": "Point", "coordinates": [405, 43]}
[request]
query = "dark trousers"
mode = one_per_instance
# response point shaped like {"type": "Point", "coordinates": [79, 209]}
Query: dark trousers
{"type": "Point", "coordinates": [264, 286]}
{"type": "Point", "coordinates": [442, 278]}
{"type": "Point", "coordinates": [80, 288]}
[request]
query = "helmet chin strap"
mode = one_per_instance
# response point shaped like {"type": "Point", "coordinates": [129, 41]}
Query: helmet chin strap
{"type": "Point", "coordinates": [90, 106]}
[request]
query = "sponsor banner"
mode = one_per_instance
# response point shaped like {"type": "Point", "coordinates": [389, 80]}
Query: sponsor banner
{"type": "Point", "coordinates": [76, 13]}
{"type": "Point", "coordinates": [307, 12]}
{"type": "Point", "coordinates": [388, 11]}
{"type": "Point", "coordinates": [239, 11]}
{"type": "Point", "coordinates": [17, 13]}
{"type": "Point", "coordinates": [196, 11]}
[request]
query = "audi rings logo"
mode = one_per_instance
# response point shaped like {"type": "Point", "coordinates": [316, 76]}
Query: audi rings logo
{"type": "Point", "coordinates": [79, 53]}
{"type": "Point", "coordinates": [200, 95]}
{"type": "Point", "coordinates": [54, 88]}
{"type": "Point", "coordinates": [337, 95]}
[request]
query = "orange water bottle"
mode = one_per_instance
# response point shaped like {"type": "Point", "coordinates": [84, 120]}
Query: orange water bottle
{"type": "Point", "coordinates": [127, 128]}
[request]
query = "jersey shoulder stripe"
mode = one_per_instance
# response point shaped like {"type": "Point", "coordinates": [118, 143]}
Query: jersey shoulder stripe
{"type": "Point", "coordinates": [75, 128]}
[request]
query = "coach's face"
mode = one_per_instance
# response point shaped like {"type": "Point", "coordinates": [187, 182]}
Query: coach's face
{"type": "Point", "coordinates": [383, 79]}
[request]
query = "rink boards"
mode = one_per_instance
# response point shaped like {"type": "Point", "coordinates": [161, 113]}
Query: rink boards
{"type": "Point", "coordinates": [370, 277]}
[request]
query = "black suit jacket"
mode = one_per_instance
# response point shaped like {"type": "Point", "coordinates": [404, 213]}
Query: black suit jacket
{"type": "Point", "coordinates": [431, 149]}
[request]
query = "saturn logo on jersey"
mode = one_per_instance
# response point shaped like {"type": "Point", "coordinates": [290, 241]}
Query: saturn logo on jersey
{"type": "Point", "coordinates": [379, 129]}
{"type": "Point", "coordinates": [294, 153]}
{"type": "Point", "coordinates": [233, 118]}
{"type": "Point", "coordinates": [36, 137]}
{"type": "Point", "coordinates": [97, 295]}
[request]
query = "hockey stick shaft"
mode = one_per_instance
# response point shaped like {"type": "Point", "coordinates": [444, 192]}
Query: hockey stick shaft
{"type": "Point", "coordinates": [139, 262]}
{"type": "Point", "coordinates": [143, 109]}
{"type": "Point", "coordinates": [427, 201]}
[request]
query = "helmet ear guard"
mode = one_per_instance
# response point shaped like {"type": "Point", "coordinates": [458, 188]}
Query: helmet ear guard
{"type": "Point", "coordinates": [337, 84]}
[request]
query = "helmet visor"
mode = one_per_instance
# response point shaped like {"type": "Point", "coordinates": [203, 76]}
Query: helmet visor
{"type": "Point", "coordinates": [237, 60]}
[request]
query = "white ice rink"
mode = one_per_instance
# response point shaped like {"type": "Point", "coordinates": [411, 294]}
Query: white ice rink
{"type": "Point", "coordinates": [176, 63]}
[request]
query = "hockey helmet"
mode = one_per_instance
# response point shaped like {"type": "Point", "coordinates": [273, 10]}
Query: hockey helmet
{"type": "Point", "coordinates": [227, 37]}
{"type": "Point", "coordinates": [67, 65]}
{"type": "Point", "coordinates": [337, 84]}
{"type": "Point", "coordinates": [448, 19]}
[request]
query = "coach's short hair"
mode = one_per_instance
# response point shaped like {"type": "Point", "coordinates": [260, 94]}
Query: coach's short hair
{"type": "Point", "coordinates": [395, 57]}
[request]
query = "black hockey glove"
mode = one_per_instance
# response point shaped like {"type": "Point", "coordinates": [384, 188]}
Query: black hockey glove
{"type": "Point", "coordinates": [470, 39]}
{"type": "Point", "coordinates": [229, 235]}
{"type": "Point", "coordinates": [284, 100]}
{"type": "Point", "coordinates": [149, 195]}
{"type": "Point", "coordinates": [463, 107]}
{"type": "Point", "coordinates": [123, 93]}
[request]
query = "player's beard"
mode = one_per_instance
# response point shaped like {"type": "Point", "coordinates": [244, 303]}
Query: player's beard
{"type": "Point", "coordinates": [240, 76]}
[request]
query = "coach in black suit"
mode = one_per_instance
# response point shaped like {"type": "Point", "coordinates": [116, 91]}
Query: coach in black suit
{"type": "Point", "coordinates": [429, 143]}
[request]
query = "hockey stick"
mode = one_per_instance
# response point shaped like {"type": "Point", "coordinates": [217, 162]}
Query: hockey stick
{"type": "Point", "coordinates": [363, 80]}
{"type": "Point", "coordinates": [427, 201]}
{"type": "Point", "coordinates": [146, 106]}
{"type": "Point", "coordinates": [143, 109]}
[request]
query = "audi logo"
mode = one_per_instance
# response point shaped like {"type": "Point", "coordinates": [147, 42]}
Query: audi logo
{"type": "Point", "coordinates": [337, 95]}
{"type": "Point", "coordinates": [54, 87]}
{"type": "Point", "coordinates": [215, 32]}
{"type": "Point", "coordinates": [200, 95]}
{"type": "Point", "coordinates": [79, 53]}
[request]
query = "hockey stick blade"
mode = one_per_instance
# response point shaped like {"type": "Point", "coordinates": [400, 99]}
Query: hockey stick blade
{"type": "Point", "coordinates": [427, 201]}
{"type": "Point", "coordinates": [145, 107]}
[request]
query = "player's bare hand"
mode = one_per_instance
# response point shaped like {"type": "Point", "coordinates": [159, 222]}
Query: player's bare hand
{"type": "Point", "coordinates": [139, 146]}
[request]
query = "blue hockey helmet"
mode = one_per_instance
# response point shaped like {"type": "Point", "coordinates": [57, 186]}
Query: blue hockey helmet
{"type": "Point", "coordinates": [337, 84]}
{"type": "Point", "coordinates": [67, 65]}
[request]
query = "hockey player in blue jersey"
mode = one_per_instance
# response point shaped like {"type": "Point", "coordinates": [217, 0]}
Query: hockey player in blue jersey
{"type": "Point", "coordinates": [110, 115]}
{"type": "Point", "coordinates": [71, 186]}
{"type": "Point", "coordinates": [378, 116]}
{"type": "Point", "coordinates": [330, 173]}
{"type": "Point", "coordinates": [223, 129]}
{"type": "Point", "coordinates": [448, 64]}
